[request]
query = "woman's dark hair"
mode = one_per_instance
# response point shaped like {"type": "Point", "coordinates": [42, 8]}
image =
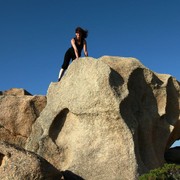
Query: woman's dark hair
{"type": "Point", "coordinates": [82, 31]}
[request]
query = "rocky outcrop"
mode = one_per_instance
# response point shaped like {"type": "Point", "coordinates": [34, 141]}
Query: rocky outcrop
{"type": "Point", "coordinates": [16, 92]}
{"type": "Point", "coordinates": [16, 164]}
{"type": "Point", "coordinates": [109, 118]}
{"type": "Point", "coordinates": [18, 111]}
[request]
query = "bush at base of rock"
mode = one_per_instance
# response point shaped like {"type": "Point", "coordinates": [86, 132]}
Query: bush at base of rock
{"type": "Point", "coordinates": [168, 171]}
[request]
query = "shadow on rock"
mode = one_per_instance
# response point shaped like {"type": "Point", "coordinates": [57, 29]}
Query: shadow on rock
{"type": "Point", "coordinates": [173, 155]}
{"type": "Point", "coordinates": [68, 175]}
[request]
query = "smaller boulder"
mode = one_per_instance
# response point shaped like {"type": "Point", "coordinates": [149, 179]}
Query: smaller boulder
{"type": "Point", "coordinates": [17, 163]}
{"type": "Point", "coordinates": [16, 92]}
{"type": "Point", "coordinates": [19, 110]}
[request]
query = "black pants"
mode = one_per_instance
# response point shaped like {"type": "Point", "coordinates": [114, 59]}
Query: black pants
{"type": "Point", "coordinates": [67, 58]}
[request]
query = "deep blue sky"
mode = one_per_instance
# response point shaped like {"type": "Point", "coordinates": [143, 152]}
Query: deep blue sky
{"type": "Point", "coordinates": [34, 35]}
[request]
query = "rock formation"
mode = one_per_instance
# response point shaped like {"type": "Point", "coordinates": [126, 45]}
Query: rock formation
{"type": "Point", "coordinates": [109, 118]}
{"type": "Point", "coordinates": [18, 111]}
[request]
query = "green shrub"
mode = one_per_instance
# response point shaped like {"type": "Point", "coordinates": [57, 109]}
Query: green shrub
{"type": "Point", "coordinates": [167, 172]}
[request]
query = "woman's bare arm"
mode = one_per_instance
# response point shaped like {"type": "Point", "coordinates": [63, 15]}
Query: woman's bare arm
{"type": "Point", "coordinates": [85, 48]}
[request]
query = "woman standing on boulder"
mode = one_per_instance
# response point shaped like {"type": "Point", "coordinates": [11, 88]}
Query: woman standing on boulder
{"type": "Point", "coordinates": [77, 44]}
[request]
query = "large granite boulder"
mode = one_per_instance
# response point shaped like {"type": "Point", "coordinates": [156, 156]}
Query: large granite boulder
{"type": "Point", "coordinates": [18, 111]}
{"type": "Point", "coordinates": [109, 118]}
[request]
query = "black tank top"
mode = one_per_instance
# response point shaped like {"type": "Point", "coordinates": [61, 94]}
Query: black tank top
{"type": "Point", "coordinates": [79, 46]}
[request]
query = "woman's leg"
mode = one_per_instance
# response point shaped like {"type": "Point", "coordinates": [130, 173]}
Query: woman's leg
{"type": "Point", "coordinates": [67, 58]}
{"type": "Point", "coordinates": [61, 73]}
